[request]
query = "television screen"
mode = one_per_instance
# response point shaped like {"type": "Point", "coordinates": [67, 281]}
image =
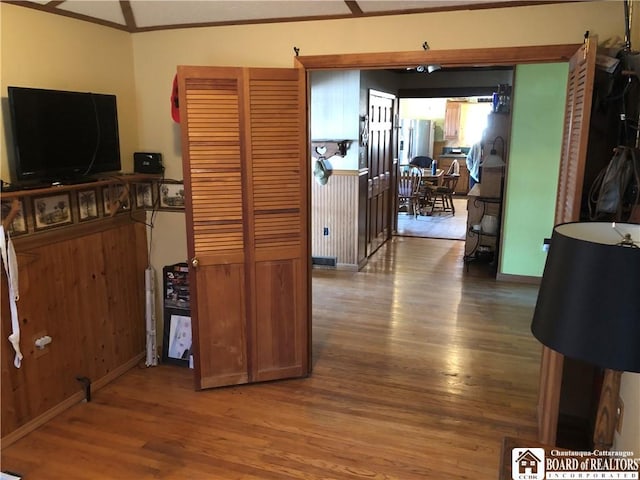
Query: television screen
{"type": "Point", "coordinates": [60, 136]}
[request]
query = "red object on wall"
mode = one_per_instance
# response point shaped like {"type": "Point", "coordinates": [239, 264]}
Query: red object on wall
{"type": "Point", "coordinates": [175, 104]}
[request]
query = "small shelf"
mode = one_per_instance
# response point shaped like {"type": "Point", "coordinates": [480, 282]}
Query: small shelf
{"type": "Point", "coordinates": [34, 214]}
{"type": "Point", "coordinates": [487, 199]}
{"type": "Point", "coordinates": [485, 247]}
{"type": "Point", "coordinates": [97, 182]}
{"type": "Point", "coordinates": [482, 233]}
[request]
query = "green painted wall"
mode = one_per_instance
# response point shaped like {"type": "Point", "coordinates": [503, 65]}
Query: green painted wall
{"type": "Point", "coordinates": [536, 142]}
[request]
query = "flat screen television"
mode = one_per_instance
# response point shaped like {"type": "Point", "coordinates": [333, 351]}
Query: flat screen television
{"type": "Point", "coordinates": [62, 136]}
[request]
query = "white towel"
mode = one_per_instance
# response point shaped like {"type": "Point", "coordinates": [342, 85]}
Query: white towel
{"type": "Point", "coordinates": [11, 269]}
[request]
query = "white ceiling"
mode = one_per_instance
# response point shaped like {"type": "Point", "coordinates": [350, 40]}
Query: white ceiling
{"type": "Point", "coordinates": [145, 15]}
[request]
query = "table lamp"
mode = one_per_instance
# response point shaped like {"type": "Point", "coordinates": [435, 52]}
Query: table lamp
{"type": "Point", "coordinates": [588, 306]}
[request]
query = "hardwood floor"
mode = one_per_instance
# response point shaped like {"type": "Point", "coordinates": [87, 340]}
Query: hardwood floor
{"type": "Point", "coordinates": [420, 370]}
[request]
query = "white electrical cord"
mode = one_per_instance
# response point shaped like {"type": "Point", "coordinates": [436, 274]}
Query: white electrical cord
{"type": "Point", "coordinates": [11, 268]}
{"type": "Point", "coordinates": [150, 316]}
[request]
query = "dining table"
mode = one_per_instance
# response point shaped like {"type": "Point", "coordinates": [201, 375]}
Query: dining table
{"type": "Point", "coordinates": [428, 177]}
{"type": "Point", "coordinates": [428, 180]}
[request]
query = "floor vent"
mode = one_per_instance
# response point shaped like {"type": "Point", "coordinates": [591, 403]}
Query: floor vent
{"type": "Point", "coordinates": [324, 261]}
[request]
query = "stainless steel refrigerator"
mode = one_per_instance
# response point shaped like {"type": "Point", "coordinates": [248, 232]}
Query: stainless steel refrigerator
{"type": "Point", "coordinates": [415, 139]}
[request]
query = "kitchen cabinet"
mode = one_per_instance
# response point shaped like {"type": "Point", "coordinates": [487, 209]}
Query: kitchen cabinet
{"type": "Point", "coordinates": [452, 121]}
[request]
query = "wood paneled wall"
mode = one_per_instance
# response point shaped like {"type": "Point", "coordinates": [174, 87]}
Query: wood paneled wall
{"type": "Point", "coordinates": [84, 287]}
{"type": "Point", "coordinates": [335, 206]}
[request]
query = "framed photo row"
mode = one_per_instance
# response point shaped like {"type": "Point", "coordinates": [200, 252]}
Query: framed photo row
{"type": "Point", "coordinates": [52, 210]}
{"type": "Point", "coordinates": [88, 203]}
{"type": "Point", "coordinates": [18, 225]}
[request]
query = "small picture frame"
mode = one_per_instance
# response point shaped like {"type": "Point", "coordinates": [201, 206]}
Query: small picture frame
{"type": "Point", "coordinates": [116, 191]}
{"type": "Point", "coordinates": [171, 195]}
{"type": "Point", "coordinates": [177, 339]}
{"type": "Point", "coordinates": [51, 211]}
{"type": "Point", "coordinates": [19, 224]}
{"type": "Point", "coordinates": [144, 195]}
{"type": "Point", "coordinates": [87, 205]}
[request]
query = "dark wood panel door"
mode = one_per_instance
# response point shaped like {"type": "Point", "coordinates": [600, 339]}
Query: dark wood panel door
{"type": "Point", "coordinates": [380, 156]}
{"type": "Point", "coordinates": [247, 201]}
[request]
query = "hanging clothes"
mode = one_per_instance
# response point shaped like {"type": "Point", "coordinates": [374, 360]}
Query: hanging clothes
{"type": "Point", "coordinates": [11, 269]}
{"type": "Point", "coordinates": [473, 162]}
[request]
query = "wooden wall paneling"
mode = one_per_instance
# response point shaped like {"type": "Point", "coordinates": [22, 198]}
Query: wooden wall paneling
{"type": "Point", "coordinates": [121, 308]}
{"type": "Point", "coordinates": [361, 217]}
{"type": "Point", "coordinates": [86, 292]}
{"type": "Point", "coordinates": [335, 205]}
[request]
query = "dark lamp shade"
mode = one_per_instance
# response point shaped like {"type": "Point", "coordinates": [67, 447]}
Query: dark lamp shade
{"type": "Point", "coordinates": [588, 304]}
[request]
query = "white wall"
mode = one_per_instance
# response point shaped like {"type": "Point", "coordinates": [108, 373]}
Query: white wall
{"type": "Point", "coordinates": [335, 103]}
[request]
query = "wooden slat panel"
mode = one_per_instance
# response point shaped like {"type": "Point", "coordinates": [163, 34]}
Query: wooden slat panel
{"type": "Point", "coordinates": [576, 131]}
{"type": "Point", "coordinates": [244, 143]}
{"type": "Point", "coordinates": [214, 156]}
{"type": "Point", "coordinates": [276, 149]}
{"type": "Point", "coordinates": [570, 185]}
{"type": "Point", "coordinates": [277, 223]}
{"type": "Point", "coordinates": [334, 206]}
{"type": "Point", "coordinates": [87, 293]}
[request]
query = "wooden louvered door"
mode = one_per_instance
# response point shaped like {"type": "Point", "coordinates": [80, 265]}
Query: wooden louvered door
{"type": "Point", "coordinates": [582, 67]}
{"type": "Point", "coordinates": [570, 185]}
{"type": "Point", "coordinates": [245, 171]}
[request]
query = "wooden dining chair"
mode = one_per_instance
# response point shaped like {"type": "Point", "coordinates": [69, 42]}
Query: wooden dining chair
{"type": "Point", "coordinates": [409, 191]}
{"type": "Point", "coordinates": [442, 196]}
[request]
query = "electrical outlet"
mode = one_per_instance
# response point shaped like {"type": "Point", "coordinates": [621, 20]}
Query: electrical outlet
{"type": "Point", "coordinates": [619, 415]}
{"type": "Point", "coordinates": [325, 231]}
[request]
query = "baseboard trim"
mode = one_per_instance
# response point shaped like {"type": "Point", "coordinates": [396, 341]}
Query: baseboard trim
{"type": "Point", "coordinates": [507, 277]}
{"type": "Point", "coordinates": [352, 267]}
{"type": "Point", "coordinates": [78, 397]}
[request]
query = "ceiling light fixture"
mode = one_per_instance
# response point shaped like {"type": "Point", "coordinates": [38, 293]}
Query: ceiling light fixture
{"type": "Point", "coordinates": [428, 68]}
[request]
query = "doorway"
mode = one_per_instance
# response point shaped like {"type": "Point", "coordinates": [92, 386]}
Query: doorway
{"type": "Point", "coordinates": [443, 129]}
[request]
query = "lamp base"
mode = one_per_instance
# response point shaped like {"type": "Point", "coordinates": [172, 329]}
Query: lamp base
{"type": "Point", "coordinates": [608, 412]}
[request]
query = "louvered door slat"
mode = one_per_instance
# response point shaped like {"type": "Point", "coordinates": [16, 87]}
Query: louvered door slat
{"type": "Point", "coordinates": [275, 148]}
{"type": "Point", "coordinates": [576, 127]}
{"type": "Point", "coordinates": [570, 186]}
{"type": "Point", "coordinates": [213, 125]}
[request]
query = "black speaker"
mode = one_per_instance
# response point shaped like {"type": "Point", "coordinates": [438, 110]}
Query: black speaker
{"type": "Point", "coordinates": [145, 162]}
